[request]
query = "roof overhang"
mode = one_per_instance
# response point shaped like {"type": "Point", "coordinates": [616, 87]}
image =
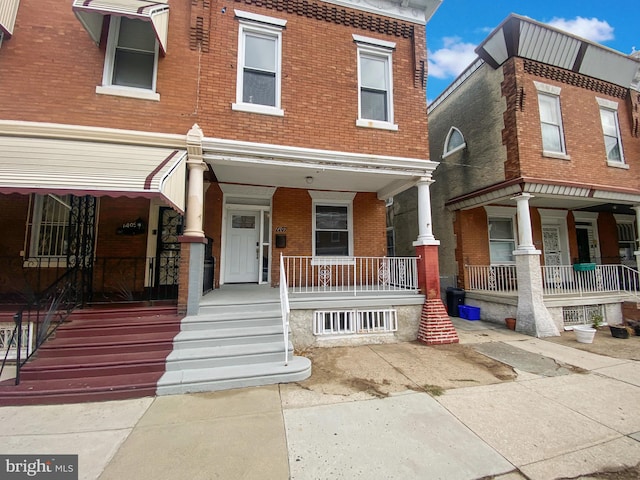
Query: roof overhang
{"type": "Point", "coordinates": [91, 14]}
{"type": "Point", "coordinates": [523, 37]}
{"type": "Point", "coordinates": [295, 167]}
{"type": "Point", "coordinates": [8, 13]}
{"type": "Point", "coordinates": [546, 194]}
{"type": "Point", "coordinates": [45, 165]}
{"type": "Point", "coordinates": [414, 11]}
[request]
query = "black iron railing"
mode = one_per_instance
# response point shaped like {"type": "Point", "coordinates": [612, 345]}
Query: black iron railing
{"type": "Point", "coordinates": [46, 313]}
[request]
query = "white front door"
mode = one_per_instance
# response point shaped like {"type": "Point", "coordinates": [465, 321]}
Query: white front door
{"type": "Point", "coordinates": [552, 256]}
{"type": "Point", "coordinates": [242, 258]}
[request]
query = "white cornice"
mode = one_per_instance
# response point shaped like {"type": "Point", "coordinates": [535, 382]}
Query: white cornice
{"type": "Point", "coordinates": [414, 12]}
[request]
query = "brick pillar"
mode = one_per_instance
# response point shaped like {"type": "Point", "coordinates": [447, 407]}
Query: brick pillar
{"type": "Point", "coordinates": [436, 327]}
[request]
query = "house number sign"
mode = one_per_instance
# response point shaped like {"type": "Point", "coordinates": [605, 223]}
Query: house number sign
{"type": "Point", "coordinates": [281, 229]}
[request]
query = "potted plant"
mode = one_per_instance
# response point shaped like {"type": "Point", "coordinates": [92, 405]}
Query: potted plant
{"type": "Point", "coordinates": [584, 333]}
{"type": "Point", "coordinates": [620, 331]}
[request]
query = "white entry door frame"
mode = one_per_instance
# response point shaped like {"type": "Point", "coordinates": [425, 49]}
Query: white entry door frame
{"type": "Point", "coordinates": [245, 255]}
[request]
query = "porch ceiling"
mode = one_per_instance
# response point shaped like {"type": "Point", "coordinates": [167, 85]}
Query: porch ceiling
{"type": "Point", "coordinates": [272, 165]}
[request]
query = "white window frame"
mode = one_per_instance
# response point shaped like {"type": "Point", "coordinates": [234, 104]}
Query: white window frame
{"type": "Point", "coordinates": [379, 50]}
{"type": "Point", "coordinates": [107, 87]}
{"type": "Point", "coordinates": [252, 23]}
{"type": "Point", "coordinates": [552, 92]}
{"type": "Point", "coordinates": [502, 213]}
{"type": "Point", "coordinates": [448, 151]}
{"type": "Point", "coordinates": [610, 106]}
{"type": "Point", "coordinates": [334, 199]}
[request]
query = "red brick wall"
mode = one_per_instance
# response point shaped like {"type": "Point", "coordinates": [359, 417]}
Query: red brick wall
{"type": "Point", "coordinates": [583, 136]}
{"type": "Point", "coordinates": [472, 233]}
{"type": "Point", "coordinates": [608, 236]}
{"type": "Point", "coordinates": [51, 68]}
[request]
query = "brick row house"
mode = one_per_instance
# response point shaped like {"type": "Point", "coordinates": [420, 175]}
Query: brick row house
{"type": "Point", "coordinates": [201, 151]}
{"type": "Point", "coordinates": [537, 194]}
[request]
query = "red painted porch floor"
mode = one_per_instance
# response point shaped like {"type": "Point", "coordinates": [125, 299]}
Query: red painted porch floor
{"type": "Point", "coordinates": [99, 354]}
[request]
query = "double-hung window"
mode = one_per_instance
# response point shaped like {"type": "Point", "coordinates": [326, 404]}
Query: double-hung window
{"type": "Point", "coordinates": [502, 242]}
{"type": "Point", "coordinates": [611, 131]}
{"type": "Point", "coordinates": [332, 224]}
{"type": "Point", "coordinates": [131, 59]}
{"type": "Point", "coordinates": [550, 120]}
{"type": "Point", "coordinates": [375, 83]}
{"type": "Point", "coordinates": [50, 223]}
{"type": "Point", "coordinates": [258, 85]}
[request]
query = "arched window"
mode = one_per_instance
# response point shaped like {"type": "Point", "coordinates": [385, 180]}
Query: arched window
{"type": "Point", "coordinates": [454, 142]}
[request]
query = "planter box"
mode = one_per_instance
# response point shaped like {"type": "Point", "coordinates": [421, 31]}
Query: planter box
{"type": "Point", "coordinates": [584, 267]}
{"type": "Point", "coordinates": [468, 312]}
{"type": "Point", "coordinates": [584, 333]}
{"type": "Point", "coordinates": [619, 331]}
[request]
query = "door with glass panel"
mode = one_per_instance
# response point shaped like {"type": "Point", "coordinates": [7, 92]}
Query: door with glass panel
{"type": "Point", "coordinates": [242, 259]}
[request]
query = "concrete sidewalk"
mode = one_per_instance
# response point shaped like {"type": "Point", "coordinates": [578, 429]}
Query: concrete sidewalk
{"type": "Point", "coordinates": [499, 404]}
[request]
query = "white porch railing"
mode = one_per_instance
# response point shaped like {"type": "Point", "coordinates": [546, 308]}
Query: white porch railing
{"type": "Point", "coordinates": [495, 278]}
{"type": "Point", "coordinates": [558, 280]}
{"type": "Point", "coordinates": [356, 275]}
{"type": "Point", "coordinates": [565, 280]}
{"type": "Point", "coordinates": [286, 310]}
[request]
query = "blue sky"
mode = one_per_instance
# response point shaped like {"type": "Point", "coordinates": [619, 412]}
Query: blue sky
{"type": "Point", "coordinates": [458, 26]}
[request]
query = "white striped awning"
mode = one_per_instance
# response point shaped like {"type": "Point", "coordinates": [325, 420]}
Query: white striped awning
{"type": "Point", "coordinates": [39, 165]}
{"type": "Point", "coordinates": [8, 13]}
{"type": "Point", "coordinates": [91, 13]}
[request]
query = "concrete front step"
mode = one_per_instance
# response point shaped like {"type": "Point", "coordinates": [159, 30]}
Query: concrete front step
{"type": "Point", "coordinates": [229, 355]}
{"type": "Point", "coordinates": [238, 376]}
{"type": "Point", "coordinates": [208, 322]}
{"type": "Point", "coordinates": [226, 336]}
{"type": "Point", "coordinates": [234, 310]}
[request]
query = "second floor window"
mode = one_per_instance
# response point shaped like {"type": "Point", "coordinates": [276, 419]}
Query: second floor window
{"type": "Point", "coordinates": [131, 59]}
{"type": "Point", "coordinates": [551, 123]}
{"type": "Point", "coordinates": [258, 85]}
{"type": "Point", "coordinates": [375, 83]}
{"type": "Point", "coordinates": [611, 131]}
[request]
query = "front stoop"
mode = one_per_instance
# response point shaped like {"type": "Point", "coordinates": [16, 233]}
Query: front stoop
{"type": "Point", "coordinates": [436, 327]}
{"type": "Point", "coordinates": [231, 346]}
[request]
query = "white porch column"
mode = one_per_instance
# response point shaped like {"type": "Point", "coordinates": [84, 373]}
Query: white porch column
{"type": "Point", "coordinates": [533, 318]}
{"type": "Point", "coordinates": [637, 251]}
{"type": "Point", "coordinates": [425, 226]}
{"type": "Point", "coordinates": [525, 235]}
{"type": "Point", "coordinates": [195, 194]}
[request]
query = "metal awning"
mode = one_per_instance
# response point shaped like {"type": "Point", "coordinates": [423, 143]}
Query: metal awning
{"type": "Point", "coordinates": [38, 165]}
{"type": "Point", "coordinates": [8, 13]}
{"type": "Point", "coordinates": [91, 13]}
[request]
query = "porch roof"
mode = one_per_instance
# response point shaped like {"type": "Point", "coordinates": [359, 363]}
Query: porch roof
{"type": "Point", "coordinates": [91, 14]}
{"type": "Point", "coordinates": [546, 194]}
{"type": "Point", "coordinates": [43, 165]}
{"type": "Point", "coordinates": [297, 167]}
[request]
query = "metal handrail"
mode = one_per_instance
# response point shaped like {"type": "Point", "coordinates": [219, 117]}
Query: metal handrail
{"type": "Point", "coordinates": [48, 311]}
{"type": "Point", "coordinates": [285, 308]}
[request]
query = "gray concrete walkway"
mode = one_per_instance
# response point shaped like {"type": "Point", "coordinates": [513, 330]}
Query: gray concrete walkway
{"type": "Point", "coordinates": [498, 405]}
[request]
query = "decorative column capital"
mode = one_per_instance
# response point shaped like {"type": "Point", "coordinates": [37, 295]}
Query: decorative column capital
{"type": "Point", "coordinates": [194, 144]}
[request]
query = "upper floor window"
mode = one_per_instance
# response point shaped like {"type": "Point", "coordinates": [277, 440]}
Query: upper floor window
{"type": "Point", "coordinates": [138, 32]}
{"type": "Point", "coordinates": [131, 59]}
{"type": "Point", "coordinates": [550, 119]}
{"type": "Point", "coordinates": [454, 142]}
{"type": "Point", "coordinates": [375, 83]}
{"type": "Point", "coordinates": [258, 86]}
{"type": "Point", "coordinates": [611, 131]}
{"type": "Point", "coordinates": [49, 226]}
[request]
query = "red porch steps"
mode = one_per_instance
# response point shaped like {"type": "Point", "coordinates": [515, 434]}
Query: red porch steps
{"type": "Point", "coordinates": [99, 354]}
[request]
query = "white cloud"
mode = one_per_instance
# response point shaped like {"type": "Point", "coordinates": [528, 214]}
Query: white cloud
{"type": "Point", "coordinates": [590, 28]}
{"type": "Point", "coordinates": [452, 59]}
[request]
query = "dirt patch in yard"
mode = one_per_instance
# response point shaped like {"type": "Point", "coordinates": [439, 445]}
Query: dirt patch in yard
{"type": "Point", "coordinates": [603, 344]}
{"type": "Point", "coordinates": [380, 370]}
{"type": "Point", "coordinates": [629, 473]}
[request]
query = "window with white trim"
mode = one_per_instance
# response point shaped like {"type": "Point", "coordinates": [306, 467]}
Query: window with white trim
{"type": "Point", "coordinates": [626, 242]}
{"type": "Point", "coordinates": [332, 224]}
{"type": "Point", "coordinates": [611, 130]}
{"type": "Point", "coordinates": [550, 119]}
{"type": "Point", "coordinates": [375, 83]}
{"type": "Point", "coordinates": [502, 241]}
{"type": "Point", "coordinates": [453, 142]}
{"type": "Point", "coordinates": [131, 59]}
{"type": "Point", "coordinates": [49, 226]}
{"type": "Point", "coordinates": [259, 79]}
